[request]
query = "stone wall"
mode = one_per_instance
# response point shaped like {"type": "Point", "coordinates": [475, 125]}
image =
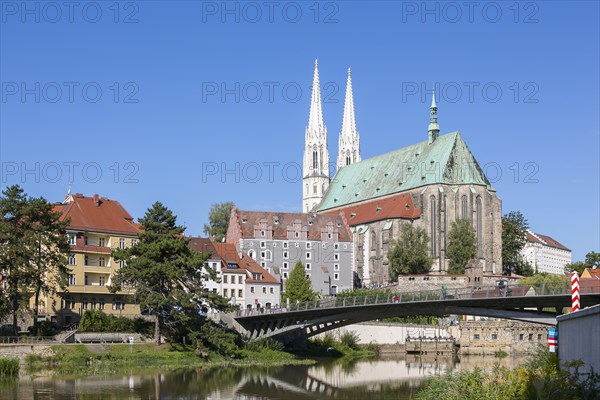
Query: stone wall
{"type": "Point", "coordinates": [489, 337]}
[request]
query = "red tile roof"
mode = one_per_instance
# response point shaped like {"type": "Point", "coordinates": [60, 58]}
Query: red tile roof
{"type": "Point", "coordinates": [398, 206]}
{"type": "Point", "coordinates": [545, 240]}
{"type": "Point", "coordinates": [228, 254]}
{"type": "Point", "coordinates": [312, 222]}
{"type": "Point", "coordinates": [97, 214]}
{"type": "Point", "coordinates": [594, 273]}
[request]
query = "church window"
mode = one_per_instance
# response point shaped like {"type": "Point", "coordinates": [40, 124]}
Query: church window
{"type": "Point", "coordinates": [445, 222]}
{"type": "Point", "coordinates": [479, 227]}
{"type": "Point", "coordinates": [373, 240]}
{"type": "Point", "coordinates": [314, 189]}
{"type": "Point", "coordinates": [433, 227]}
{"type": "Point", "coordinates": [315, 159]}
{"type": "Point", "coordinates": [463, 207]}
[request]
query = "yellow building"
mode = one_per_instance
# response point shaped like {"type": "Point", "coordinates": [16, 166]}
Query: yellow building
{"type": "Point", "coordinates": [97, 226]}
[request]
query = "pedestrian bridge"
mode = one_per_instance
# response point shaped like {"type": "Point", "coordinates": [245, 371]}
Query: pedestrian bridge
{"type": "Point", "coordinates": [539, 303]}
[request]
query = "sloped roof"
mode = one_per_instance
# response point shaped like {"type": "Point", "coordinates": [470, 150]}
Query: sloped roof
{"type": "Point", "coordinates": [280, 221]}
{"type": "Point", "coordinates": [227, 253]}
{"type": "Point", "coordinates": [591, 273]}
{"type": "Point", "coordinates": [545, 240]}
{"type": "Point", "coordinates": [399, 206]}
{"type": "Point", "coordinates": [97, 214]}
{"type": "Point", "coordinates": [447, 160]}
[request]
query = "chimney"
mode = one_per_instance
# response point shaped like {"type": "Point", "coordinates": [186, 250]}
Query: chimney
{"type": "Point", "coordinates": [96, 200]}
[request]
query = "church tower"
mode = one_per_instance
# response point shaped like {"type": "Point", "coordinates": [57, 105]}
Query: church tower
{"type": "Point", "coordinates": [349, 142]}
{"type": "Point", "coordinates": [315, 174]}
{"type": "Point", "coordinates": [434, 128]}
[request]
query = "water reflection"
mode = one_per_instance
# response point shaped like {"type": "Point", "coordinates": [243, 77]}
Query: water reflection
{"type": "Point", "coordinates": [391, 378]}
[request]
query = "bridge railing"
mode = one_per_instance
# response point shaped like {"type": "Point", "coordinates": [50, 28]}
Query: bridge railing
{"type": "Point", "coordinates": [471, 292]}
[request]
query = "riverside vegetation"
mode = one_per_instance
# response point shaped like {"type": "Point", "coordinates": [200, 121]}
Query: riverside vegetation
{"type": "Point", "coordinates": [539, 378]}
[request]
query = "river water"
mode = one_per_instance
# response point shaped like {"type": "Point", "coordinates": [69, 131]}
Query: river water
{"type": "Point", "coordinates": [383, 378]}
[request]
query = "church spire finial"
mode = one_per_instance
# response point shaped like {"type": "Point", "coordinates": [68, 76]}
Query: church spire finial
{"type": "Point", "coordinates": [315, 119]}
{"type": "Point", "coordinates": [349, 141]}
{"type": "Point", "coordinates": [434, 128]}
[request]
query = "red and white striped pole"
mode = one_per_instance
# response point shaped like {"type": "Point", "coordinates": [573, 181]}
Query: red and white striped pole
{"type": "Point", "coordinates": [574, 291]}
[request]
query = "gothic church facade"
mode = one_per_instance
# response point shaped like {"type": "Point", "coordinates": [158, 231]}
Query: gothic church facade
{"type": "Point", "coordinates": [430, 184]}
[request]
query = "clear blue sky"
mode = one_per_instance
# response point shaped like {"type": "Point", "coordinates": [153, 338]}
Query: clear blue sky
{"type": "Point", "coordinates": [160, 124]}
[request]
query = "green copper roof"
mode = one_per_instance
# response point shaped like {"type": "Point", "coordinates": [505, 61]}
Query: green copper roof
{"type": "Point", "coordinates": [447, 160]}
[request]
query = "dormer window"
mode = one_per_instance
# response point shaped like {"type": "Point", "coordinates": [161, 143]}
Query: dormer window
{"type": "Point", "coordinates": [244, 220]}
{"type": "Point", "coordinates": [72, 239]}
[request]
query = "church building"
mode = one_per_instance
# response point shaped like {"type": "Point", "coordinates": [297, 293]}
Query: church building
{"type": "Point", "coordinates": [430, 184]}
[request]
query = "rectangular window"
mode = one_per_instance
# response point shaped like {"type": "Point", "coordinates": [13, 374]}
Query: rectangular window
{"type": "Point", "coordinates": [286, 245]}
{"type": "Point", "coordinates": [308, 255]}
{"type": "Point", "coordinates": [336, 276]}
{"type": "Point", "coordinates": [336, 246]}
{"type": "Point", "coordinates": [521, 336]}
{"type": "Point", "coordinates": [225, 278]}
{"type": "Point", "coordinates": [307, 266]}
{"type": "Point", "coordinates": [240, 280]}
{"type": "Point", "coordinates": [101, 242]}
{"type": "Point", "coordinates": [85, 240]}
{"type": "Point", "coordinates": [285, 275]}
{"type": "Point", "coordinates": [102, 261]}
{"type": "Point", "coordinates": [263, 255]}
{"type": "Point", "coordinates": [72, 239]}
{"type": "Point", "coordinates": [84, 304]}
{"type": "Point", "coordinates": [251, 289]}
{"type": "Point", "coordinates": [530, 337]}
{"type": "Point", "coordinates": [307, 245]}
{"type": "Point", "coordinates": [101, 304]}
{"type": "Point", "coordinates": [101, 280]}
{"type": "Point", "coordinates": [285, 265]}
{"type": "Point", "coordinates": [336, 267]}
{"type": "Point", "coordinates": [264, 290]}
{"type": "Point", "coordinates": [476, 336]}
{"type": "Point", "coordinates": [240, 293]}
{"type": "Point", "coordinates": [225, 292]}
{"type": "Point", "coordinates": [271, 290]}
{"type": "Point", "coordinates": [72, 259]}
{"type": "Point", "coordinates": [72, 279]}
{"type": "Point", "coordinates": [263, 245]}
{"type": "Point", "coordinates": [86, 280]}
{"type": "Point", "coordinates": [494, 336]}
{"type": "Point", "coordinates": [308, 275]}
{"type": "Point", "coordinates": [285, 255]}
{"type": "Point", "coordinates": [121, 243]}
{"type": "Point", "coordinates": [336, 257]}
{"type": "Point", "coordinates": [263, 264]}
{"type": "Point", "coordinates": [121, 264]}
{"type": "Point", "coordinates": [133, 242]}
{"type": "Point", "coordinates": [86, 260]}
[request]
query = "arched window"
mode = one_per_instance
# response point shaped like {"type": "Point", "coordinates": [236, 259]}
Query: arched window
{"type": "Point", "coordinates": [315, 158]}
{"type": "Point", "coordinates": [479, 210]}
{"type": "Point", "coordinates": [252, 254]}
{"type": "Point", "coordinates": [432, 217]}
{"type": "Point", "coordinates": [348, 160]}
{"type": "Point", "coordinates": [463, 207]}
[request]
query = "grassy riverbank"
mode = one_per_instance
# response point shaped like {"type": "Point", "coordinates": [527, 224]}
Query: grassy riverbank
{"type": "Point", "coordinates": [78, 359]}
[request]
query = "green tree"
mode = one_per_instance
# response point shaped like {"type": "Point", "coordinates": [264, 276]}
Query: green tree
{"type": "Point", "coordinates": [165, 272]}
{"type": "Point", "coordinates": [218, 219]}
{"type": "Point", "coordinates": [49, 245]}
{"type": "Point", "coordinates": [592, 259]}
{"type": "Point", "coordinates": [514, 227]}
{"type": "Point", "coordinates": [14, 253]}
{"type": "Point", "coordinates": [298, 286]}
{"type": "Point", "coordinates": [410, 253]}
{"type": "Point", "coordinates": [462, 245]}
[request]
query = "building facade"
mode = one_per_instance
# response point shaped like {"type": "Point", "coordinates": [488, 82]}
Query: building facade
{"type": "Point", "coordinates": [98, 225]}
{"type": "Point", "coordinates": [238, 277]}
{"type": "Point", "coordinates": [277, 241]}
{"type": "Point", "coordinates": [545, 254]}
{"type": "Point", "coordinates": [429, 184]}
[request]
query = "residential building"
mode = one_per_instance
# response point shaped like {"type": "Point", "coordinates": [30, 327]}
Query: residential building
{"type": "Point", "coordinates": [97, 226]}
{"type": "Point", "coordinates": [545, 254]}
{"type": "Point", "coordinates": [278, 240]}
{"type": "Point", "coordinates": [238, 277]}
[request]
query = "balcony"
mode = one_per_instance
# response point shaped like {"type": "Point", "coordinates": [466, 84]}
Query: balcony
{"type": "Point", "coordinates": [92, 249]}
{"type": "Point", "coordinates": [91, 289]}
{"type": "Point", "coordinates": [97, 269]}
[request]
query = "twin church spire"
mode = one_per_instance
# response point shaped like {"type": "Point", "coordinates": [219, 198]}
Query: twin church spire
{"type": "Point", "coordinates": [315, 178]}
{"type": "Point", "coordinates": [315, 170]}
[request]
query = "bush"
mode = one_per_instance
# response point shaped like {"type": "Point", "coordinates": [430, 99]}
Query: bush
{"type": "Point", "coordinates": [98, 321]}
{"type": "Point", "coordinates": [9, 368]}
{"type": "Point", "coordinates": [214, 337]}
{"type": "Point", "coordinates": [266, 343]}
{"type": "Point", "coordinates": [44, 328]}
{"type": "Point", "coordinates": [350, 340]}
